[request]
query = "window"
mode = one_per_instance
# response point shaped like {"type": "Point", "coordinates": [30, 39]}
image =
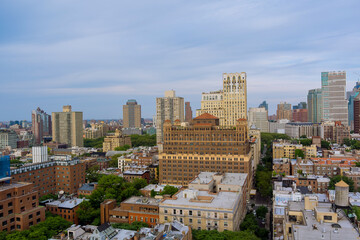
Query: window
{"type": "Point", "coordinates": [38, 213]}
{"type": "Point", "coordinates": [165, 218]}
{"type": "Point", "coordinates": [10, 211]}
{"type": "Point", "coordinates": [225, 215]}
{"type": "Point", "coordinates": [174, 211]}
{"type": "Point", "coordinates": [190, 220]}
{"type": "Point", "coordinates": [10, 204]}
{"type": "Point", "coordinates": [180, 211]}
{"type": "Point", "coordinates": [18, 219]}
{"type": "Point", "coordinates": [225, 224]}
{"type": "Point", "coordinates": [18, 226]}
{"type": "Point", "coordinates": [327, 217]}
{"type": "Point", "coordinates": [190, 212]}
{"type": "Point", "coordinates": [165, 211]}
{"type": "Point", "coordinates": [4, 223]}
{"type": "Point", "coordinates": [199, 214]}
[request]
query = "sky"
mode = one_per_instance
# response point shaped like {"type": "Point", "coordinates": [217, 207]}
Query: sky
{"type": "Point", "coordinates": [95, 55]}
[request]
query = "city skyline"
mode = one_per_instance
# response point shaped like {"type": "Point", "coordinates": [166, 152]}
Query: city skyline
{"type": "Point", "coordinates": [57, 53]}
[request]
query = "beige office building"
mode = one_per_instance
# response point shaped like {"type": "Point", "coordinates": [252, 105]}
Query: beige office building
{"type": "Point", "coordinates": [259, 118]}
{"type": "Point", "coordinates": [67, 127]}
{"type": "Point", "coordinates": [334, 103]}
{"type": "Point", "coordinates": [131, 114]}
{"type": "Point", "coordinates": [170, 108]}
{"type": "Point", "coordinates": [116, 140]}
{"type": "Point", "coordinates": [212, 103]}
{"type": "Point", "coordinates": [230, 104]}
{"type": "Point", "coordinates": [213, 201]}
{"type": "Point", "coordinates": [284, 111]}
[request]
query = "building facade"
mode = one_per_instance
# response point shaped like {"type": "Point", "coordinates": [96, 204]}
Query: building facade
{"type": "Point", "coordinates": [117, 140]}
{"type": "Point", "coordinates": [284, 111]}
{"type": "Point", "coordinates": [259, 118]}
{"type": "Point", "coordinates": [314, 104]}
{"type": "Point", "coordinates": [169, 108]}
{"type": "Point", "coordinates": [8, 138]}
{"type": "Point", "coordinates": [67, 127]}
{"type": "Point", "coordinates": [52, 177]}
{"type": "Point", "coordinates": [212, 202]}
{"type": "Point", "coordinates": [188, 112]}
{"type": "Point", "coordinates": [234, 97]}
{"type": "Point", "coordinates": [204, 146]}
{"type": "Point", "coordinates": [299, 115]}
{"type": "Point", "coordinates": [131, 114]}
{"type": "Point", "coordinates": [40, 154]}
{"type": "Point", "coordinates": [65, 208]}
{"type": "Point", "coordinates": [19, 206]}
{"type": "Point", "coordinates": [212, 103]}
{"type": "Point", "coordinates": [41, 125]}
{"type": "Point", "coordinates": [334, 103]}
{"type": "Point", "coordinates": [134, 209]}
{"type": "Point", "coordinates": [357, 114]}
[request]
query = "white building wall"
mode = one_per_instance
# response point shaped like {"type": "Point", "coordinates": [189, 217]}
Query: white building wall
{"type": "Point", "coordinates": [40, 154]}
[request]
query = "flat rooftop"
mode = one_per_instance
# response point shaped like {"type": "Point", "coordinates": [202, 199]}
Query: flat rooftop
{"type": "Point", "coordinates": [157, 187]}
{"type": "Point", "coordinates": [13, 185]}
{"type": "Point", "coordinates": [324, 230]}
{"type": "Point", "coordinates": [221, 200]}
{"type": "Point", "coordinates": [143, 200]}
{"type": "Point", "coordinates": [203, 178]}
{"type": "Point", "coordinates": [234, 179]}
{"type": "Point", "coordinates": [69, 203]}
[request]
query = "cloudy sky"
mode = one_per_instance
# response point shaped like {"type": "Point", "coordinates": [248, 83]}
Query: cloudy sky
{"type": "Point", "coordinates": [95, 55]}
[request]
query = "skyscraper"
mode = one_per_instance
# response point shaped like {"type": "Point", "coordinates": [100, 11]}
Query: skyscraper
{"type": "Point", "coordinates": [335, 107]}
{"type": "Point", "coordinates": [67, 127]}
{"type": "Point", "coordinates": [41, 125]}
{"type": "Point", "coordinates": [131, 114]}
{"type": "Point", "coordinates": [188, 112]}
{"type": "Point", "coordinates": [259, 118]}
{"type": "Point", "coordinates": [314, 104]}
{"type": "Point", "coordinates": [212, 103]}
{"type": "Point", "coordinates": [264, 105]}
{"type": "Point", "coordinates": [284, 111]}
{"type": "Point", "coordinates": [234, 97]}
{"type": "Point", "coordinates": [357, 114]}
{"type": "Point", "coordinates": [350, 97]}
{"type": "Point", "coordinates": [170, 108]}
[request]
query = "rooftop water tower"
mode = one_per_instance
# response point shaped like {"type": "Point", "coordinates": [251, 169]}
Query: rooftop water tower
{"type": "Point", "coordinates": [341, 194]}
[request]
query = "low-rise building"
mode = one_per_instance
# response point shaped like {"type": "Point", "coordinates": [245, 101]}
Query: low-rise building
{"type": "Point", "coordinates": [117, 140]}
{"type": "Point", "coordinates": [332, 166]}
{"type": "Point", "coordinates": [301, 166]}
{"type": "Point", "coordinates": [130, 175]}
{"type": "Point", "coordinates": [282, 166]}
{"type": "Point", "coordinates": [87, 189]}
{"type": "Point", "coordinates": [312, 219]}
{"type": "Point", "coordinates": [213, 201]}
{"type": "Point", "coordinates": [143, 209]}
{"type": "Point", "coordinates": [65, 208]}
{"type": "Point", "coordinates": [285, 149]}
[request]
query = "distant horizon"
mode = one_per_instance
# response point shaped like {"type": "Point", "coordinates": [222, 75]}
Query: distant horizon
{"type": "Point", "coordinates": [96, 56]}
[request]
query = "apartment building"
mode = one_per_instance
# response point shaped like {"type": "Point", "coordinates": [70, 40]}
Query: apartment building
{"type": "Point", "coordinates": [334, 103]}
{"type": "Point", "coordinates": [143, 209]}
{"type": "Point", "coordinates": [67, 127]}
{"type": "Point", "coordinates": [301, 167]}
{"type": "Point", "coordinates": [188, 112]}
{"type": "Point", "coordinates": [282, 166]}
{"type": "Point", "coordinates": [19, 206]}
{"type": "Point", "coordinates": [212, 103]}
{"type": "Point", "coordinates": [116, 140]}
{"type": "Point", "coordinates": [284, 111]}
{"type": "Point", "coordinates": [284, 149]}
{"type": "Point", "coordinates": [204, 146]}
{"type": "Point", "coordinates": [212, 202]}
{"type": "Point", "coordinates": [259, 118]}
{"type": "Point", "coordinates": [8, 138]}
{"type": "Point", "coordinates": [65, 208]}
{"type": "Point", "coordinates": [332, 166]}
{"type": "Point", "coordinates": [314, 104]}
{"type": "Point", "coordinates": [335, 131]}
{"type": "Point", "coordinates": [131, 114]}
{"type": "Point", "coordinates": [52, 177]}
{"type": "Point", "coordinates": [41, 125]}
{"type": "Point", "coordinates": [169, 108]}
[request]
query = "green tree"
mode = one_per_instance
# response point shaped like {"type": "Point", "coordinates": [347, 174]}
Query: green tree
{"type": "Point", "coordinates": [94, 143]}
{"type": "Point", "coordinates": [114, 160]}
{"type": "Point", "coordinates": [325, 144]}
{"type": "Point", "coordinates": [225, 235]}
{"type": "Point", "coordinates": [261, 211]}
{"type": "Point", "coordinates": [338, 178]}
{"type": "Point", "coordinates": [169, 190]}
{"type": "Point", "coordinates": [48, 196]}
{"type": "Point", "coordinates": [263, 182]}
{"type": "Point", "coordinates": [135, 226]}
{"type": "Point", "coordinates": [306, 142]}
{"type": "Point", "coordinates": [143, 140]}
{"type": "Point", "coordinates": [152, 194]}
{"type": "Point", "coordinates": [299, 153]}
{"type": "Point", "coordinates": [86, 213]}
{"type": "Point", "coordinates": [139, 183]}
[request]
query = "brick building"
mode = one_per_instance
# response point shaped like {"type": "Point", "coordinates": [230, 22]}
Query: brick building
{"type": "Point", "coordinates": [19, 206]}
{"type": "Point", "coordinates": [130, 175]}
{"type": "Point", "coordinates": [204, 146]}
{"type": "Point", "coordinates": [52, 177]}
{"type": "Point", "coordinates": [65, 208]}
{"type": "Point", "coordinates": [143, 209]}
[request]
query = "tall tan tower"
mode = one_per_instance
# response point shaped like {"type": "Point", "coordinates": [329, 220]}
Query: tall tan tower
{"type": "Point", "coordinates": [170, 108]}
{"type": "Point", "coordinates": [234, 97]}
{"type": "Point", "coordinates": [131, 114]}
{"type": "Point", "coordinates": [67, 127]}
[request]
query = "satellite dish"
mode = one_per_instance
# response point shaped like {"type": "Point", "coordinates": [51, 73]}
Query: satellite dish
{"type": "Point", "coordinates": [61, 192]}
